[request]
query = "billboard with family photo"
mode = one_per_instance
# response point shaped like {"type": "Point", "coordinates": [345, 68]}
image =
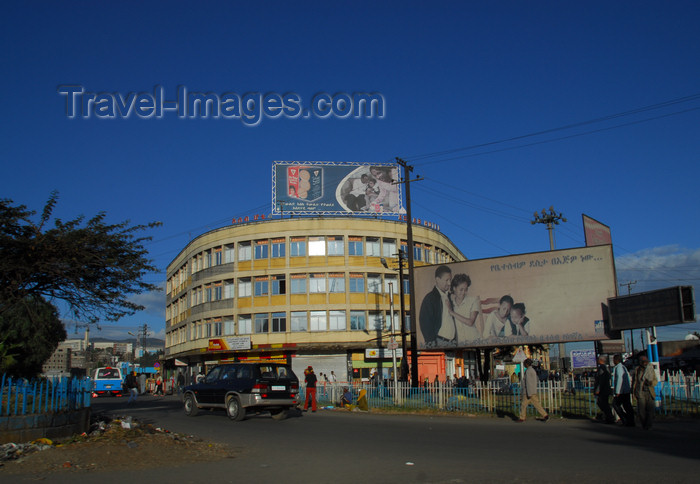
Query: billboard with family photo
{"type": "Point", "coordinates": [542, 297]}
{"type": "Point", "coordinates": [305, 187]}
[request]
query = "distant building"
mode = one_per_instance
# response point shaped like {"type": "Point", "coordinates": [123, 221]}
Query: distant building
{"type": "Point", "coordinates": [59, 364]}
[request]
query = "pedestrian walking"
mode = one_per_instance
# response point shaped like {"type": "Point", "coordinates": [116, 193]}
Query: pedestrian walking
{"type": "Point", "coordinates": [621, 386]}
{"type": "Point", "coordinates": [132, 385]}
{"type": "Point", "coordinates": [180, 382]}
{"type": "Point", "coordinates": [310, 379]}
{"type": "Point", "coordinates": [643, 389]}
{"type": "Point", "coordinates": [602, 389]}
{"type": "Point", "coordinates": [529, 393]}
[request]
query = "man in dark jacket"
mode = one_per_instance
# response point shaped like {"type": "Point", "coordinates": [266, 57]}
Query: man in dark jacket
{"type": "Point", "coordinates": [602, 389]}
{"type": "Point", "coordinates": [132, 385]}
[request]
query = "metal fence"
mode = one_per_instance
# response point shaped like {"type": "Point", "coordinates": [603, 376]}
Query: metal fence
{"type": "Point", "coordinates": [567, 398]}
{"type": "Point", "coordinates": [47, 395]}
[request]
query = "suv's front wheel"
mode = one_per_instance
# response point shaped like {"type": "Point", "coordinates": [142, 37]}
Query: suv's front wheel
{"type": "Point", "coordinates": [234, 409]}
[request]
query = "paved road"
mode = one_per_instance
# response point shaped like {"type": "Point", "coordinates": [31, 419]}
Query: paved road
{"type": "Point", "coordinates": [338, 446]}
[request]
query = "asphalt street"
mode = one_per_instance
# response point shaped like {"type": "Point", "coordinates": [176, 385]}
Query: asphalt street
{"type": "Point", "coordinates": [340, 446]}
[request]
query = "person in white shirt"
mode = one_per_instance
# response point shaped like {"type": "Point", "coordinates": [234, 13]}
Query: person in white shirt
{"type": "Point", "coordinates": [465, 310]}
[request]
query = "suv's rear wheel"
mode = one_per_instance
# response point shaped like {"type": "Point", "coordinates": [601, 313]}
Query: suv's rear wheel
{"type": "Point", "coordinates": [190, 406]}
{"type": "Point", "coordinates": [234, 409]}
{"type": "Point", "coordinates": [280, 414]}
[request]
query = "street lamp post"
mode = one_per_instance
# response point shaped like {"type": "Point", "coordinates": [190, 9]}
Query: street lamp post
{"type": "Point", "coordinates": [550, 219]}
{"type": "Point", "coordinates": [402, 318]}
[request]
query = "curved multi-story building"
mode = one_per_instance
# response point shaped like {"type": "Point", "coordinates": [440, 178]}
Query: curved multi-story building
{"type": "Point", "coordinates": [310, 291]}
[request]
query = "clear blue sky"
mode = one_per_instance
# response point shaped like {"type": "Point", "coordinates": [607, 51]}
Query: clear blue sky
{"type": "Point", "coordinates": [453, 74]}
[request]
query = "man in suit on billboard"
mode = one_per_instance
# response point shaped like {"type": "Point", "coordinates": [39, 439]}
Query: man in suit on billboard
{"type": "Point", "coordinates": [434, 306]}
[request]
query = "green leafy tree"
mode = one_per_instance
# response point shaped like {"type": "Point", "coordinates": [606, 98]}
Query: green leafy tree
{"type": "Point", "coordinates": [31, 333]}
{"type": "Point", "coordinates": [92, 266]}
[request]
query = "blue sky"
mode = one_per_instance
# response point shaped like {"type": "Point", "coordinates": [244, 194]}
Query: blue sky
{"type": "Point", "coordinates": [454, 75]}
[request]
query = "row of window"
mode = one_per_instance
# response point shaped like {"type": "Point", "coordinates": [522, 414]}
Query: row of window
{"type": "Point", "coordinates": [276, 284]}
{"type": "Point", "coordinates": [301, 247]}
{"type": "Point", "coordinates": [299, 321]}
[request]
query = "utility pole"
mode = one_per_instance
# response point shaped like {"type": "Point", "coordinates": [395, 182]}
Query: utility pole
{"type": "Point", "coordinates": [407, 169]}
{"type": "Point", "coordinates": [550, 219]}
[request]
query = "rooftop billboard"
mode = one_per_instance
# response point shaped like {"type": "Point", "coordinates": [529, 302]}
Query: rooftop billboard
{"type": "Point", "coordinates": [307, 188]}
{"type": "Point", "coordinates": [542, 297]}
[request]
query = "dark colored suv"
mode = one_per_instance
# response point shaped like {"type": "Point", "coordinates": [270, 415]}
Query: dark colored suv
{"type": "Point", "coordinates": [243, 387]}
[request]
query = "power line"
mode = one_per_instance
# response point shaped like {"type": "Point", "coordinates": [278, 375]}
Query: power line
{"type": "Point", "coordinates": [671, 102]}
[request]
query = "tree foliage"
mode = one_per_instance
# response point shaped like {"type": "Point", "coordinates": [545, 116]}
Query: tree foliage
{"type": "Point", "coordinates": [91, 265]}
{"type": "Point", "coordinates": [31, 332]}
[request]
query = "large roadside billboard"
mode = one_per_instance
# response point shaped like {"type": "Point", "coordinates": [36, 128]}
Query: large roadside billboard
{"type": "Point", "coordinates": [307, 188]}
{"type": "Point", "coordinates": [542, 297]}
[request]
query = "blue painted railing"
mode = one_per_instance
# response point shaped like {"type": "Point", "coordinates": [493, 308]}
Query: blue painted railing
{"type": "Point", "coordinates": [19, 396]}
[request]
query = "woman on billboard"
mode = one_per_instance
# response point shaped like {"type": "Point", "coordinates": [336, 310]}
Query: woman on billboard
{"type": "Point", "coordinates": [465, 310]}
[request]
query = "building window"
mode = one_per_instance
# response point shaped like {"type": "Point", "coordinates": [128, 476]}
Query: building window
{"type": "Point", "coordinates": [317, 246]}
{"type": "Point", "coordinates": [244, 251]}
{"type": "Point", "coordinates": [406, 286]}
{"type": "Point", "coordinates": [207, 330]}
{"type": "Point", "coordinates": [355, 246]}
{"type": "Point", "coordinates": [317, 283]}
{"type": "Point", "coordinates": [228, 289]}
{"type": "Point", "coordinates": [297, 247]}
{"type": "Point", "coordinates": [336, 282]}
{"type": "Point", "coordinates": [229, 327]}
{"type": "Point", "coordinates": [336, 245]}
{"type": "Point", "coordinates": [207, 258]}
{"type": "Point", "coordinates": [278, 285]}
{"type": "Point", "coordinates": [389, 248]}
{"type": "Point", "coordinates": [377, 321]}
{"type": "Point", "coordinates": [299, 321]}
{"type": "Point", "coordinates": [262, 323]}
{"type": "Point", "coordinates": [262, 248]}
{"type": "Point", "coordinates": [298, 284]}
{"type": "Point", "coordinates": [374, 283]}
{"type": "Point", "coordinates": [262, 286]}
{"type": "Point", "coordinates": [372, 246]}
{"type": "Point", "coordinates": [357, 283]}
{"type": "Point", "coordinates": [278, 248]}
{"type": "Point", "coordinates": [193, 331]}
{"type": "Point", "coordinates": [427, 255]}
{"type": "Point", "coordinates": [218, 256]}
{"type": "Point", "coordinates": [358, 321]}
{"type": "Point", "coordinates": [218, 291]}
{"type": "Point", "coordinates": [317, 321]}
{"type": "Point", "coordinates": [244, 287]}
{"type": "Point", "coordinates": [279, 322]}
{"type": "Point", "coordinates": [417, 253]}
{"type": "Point", "coordinates": [229, 253]}
{"type": "Point", "coordinates": [244, 324]}
{"type": "Point", "coordinates": [218, 327]}
{"type": "Point", "coordinates": [207, 293]}
{"type": "Point", "coordinates": [336, 321]}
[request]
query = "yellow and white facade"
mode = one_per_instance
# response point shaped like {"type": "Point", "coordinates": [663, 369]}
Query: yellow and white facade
{"type": "Point", "coordinates": [306, 290]}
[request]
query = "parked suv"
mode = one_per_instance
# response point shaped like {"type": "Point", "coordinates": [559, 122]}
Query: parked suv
{"type": "Point", "coordinates": [243, 387]}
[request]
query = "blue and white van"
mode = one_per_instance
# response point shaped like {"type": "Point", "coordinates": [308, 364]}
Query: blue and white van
{"type": "Point", "coordinates": [108, 381]}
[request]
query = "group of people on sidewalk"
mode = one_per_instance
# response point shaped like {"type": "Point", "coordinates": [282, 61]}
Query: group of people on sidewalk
{"type": "Point", "coordinates": [621, 386]}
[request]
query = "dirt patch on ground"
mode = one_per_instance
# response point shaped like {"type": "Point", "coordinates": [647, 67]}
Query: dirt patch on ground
{"type": "Point", "coordinates": [111, 445]}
